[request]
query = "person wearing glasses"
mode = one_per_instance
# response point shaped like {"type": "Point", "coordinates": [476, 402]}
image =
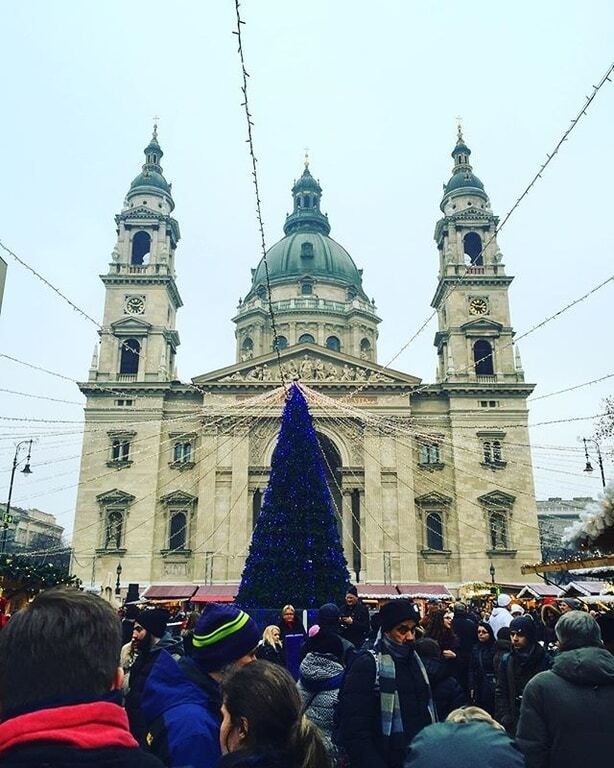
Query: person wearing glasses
{"type": "Point", "coordinates": [526, 659]}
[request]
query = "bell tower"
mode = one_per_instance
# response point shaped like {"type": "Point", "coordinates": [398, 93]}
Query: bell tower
{"type": "Point", "coordinates": [474, 340]}
{"type": "Point", "coordinates": [138, 341]}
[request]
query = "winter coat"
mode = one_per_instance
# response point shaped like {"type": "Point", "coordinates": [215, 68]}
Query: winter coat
{"type": "Point", "coordinates": [501, 648]}
{"type": "Point", "coordinates": [92, 735]}
{"type": "Point", "coordinates": [244, 758]}
{"type": "Point", "coordinates": [549, 616]}
{"type": "Point", "coordinates": [566, 713]}
{"type": "Point", "coordinates": [500, 617]}
{"type": "Point", "coordinates": [458, 745]}
{"type": "Point", "coordinates": [466, 631]}
{"type": "Point", "coordinates": [482, 676]}
{"type": "Point", "coordinates": [181, 709]}
{"type": "Point", "coordinates": [319, 682]}
{"type": "Point", "coordinates": [515, 672]}
{"type": "Point", "coordinates": [357, 631]}
{"type": "Point", "coordinates": [360, 714]}
{"type": "Point", "coordinates": [268, 652]}
{"type": "Point", "coordinates": [296, 628]}
{"type": "Point", "coordinates": [139, 673]}
{"type": "Point", "coordinates": [446, 690]}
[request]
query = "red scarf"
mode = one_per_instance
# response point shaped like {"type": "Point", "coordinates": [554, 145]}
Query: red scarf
{"type": "Point", "coordinates": [85, 726]}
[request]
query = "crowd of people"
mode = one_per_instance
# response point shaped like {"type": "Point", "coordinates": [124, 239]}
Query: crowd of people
{"type": "Point", "coordinates": [451, 685]}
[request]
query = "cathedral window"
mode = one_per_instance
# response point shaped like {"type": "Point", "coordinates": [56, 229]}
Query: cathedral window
{"type": "Point", "coordinates": [281, 342]}
{"type": "Point", "coordinates": [483, 358]}
{"type": "Point", "coordinates": [307, 250]}
{"type": "Point", "coordinates": [434, 531]}
{"type": "Point", "coordinates": [177, 531]}
{"type": "Point", "coordinates": [498, 530]}
{"type": "Point", "coordinates": [472, 244]}
{"type": "Point", "coordinates": [256, 506]}
{"type": "Point", "coordinates": [493, 454]}
{"type": "Point", "coordinates": [429, 453]}
{"type": "Point", "coordinates": [129, 361]}
{"type": "Point", "coordinates": [365, 349]}
{"type": "Point", "coordinates": [120, 450]}
{"type": "Point", "coordinates": [114, 529]}
{"type": "Point", "coordinates": [306, 289]}
{"type": "Point", "coordinates": [247, 349]}
{"type": "Point", "coordinates": [182, 452]}
{"type": "Point", "coordinates": [306, 338]}
{"type": "Point", "coordinates": [332, 342]}
{"type": "Point", "coordinates": [141, 247]}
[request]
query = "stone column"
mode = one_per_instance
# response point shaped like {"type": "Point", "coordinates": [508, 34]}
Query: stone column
{"type": "Point", "coordinates": [205, 516]}
{"type": "Point", "coordinates": [240, 521]}
{"type": "Point", "coordinates": [373, 522]}
{"type": "Point", "coordinates": [407, 534]}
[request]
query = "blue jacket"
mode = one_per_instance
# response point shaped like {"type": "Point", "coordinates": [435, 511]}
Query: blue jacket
{"type": "Point", "coordinates": [181, 708]}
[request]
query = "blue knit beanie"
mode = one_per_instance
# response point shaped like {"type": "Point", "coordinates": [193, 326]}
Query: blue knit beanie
{"type": "Point", "coordinates": [526, 626]}
{"type": "Point", "coordinates": [222, 635]}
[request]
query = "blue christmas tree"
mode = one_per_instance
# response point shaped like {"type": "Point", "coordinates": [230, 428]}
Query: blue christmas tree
{"type": "Point", "coordinates": [295, 555]}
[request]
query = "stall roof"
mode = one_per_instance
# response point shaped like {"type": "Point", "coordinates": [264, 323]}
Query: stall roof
{"type": "Point", "coordinates": [169, 592]}
{"type": "Point", "coordinates": [215, 593]}
{"type": "Point", "coordinates": [540, 590]}
{"type": "Point", "coordinates": [378, 591]}
{"type": "Point", "coordinates": [583, 588]}
{"type": "Point", "coordinates": [425, 591]}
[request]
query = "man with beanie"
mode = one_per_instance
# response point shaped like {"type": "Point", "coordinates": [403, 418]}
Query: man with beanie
{"type": "Point", "coordinates": [60, 684]}
{"type": "Point", "coordinates": [466, 631]}
{"type": "Point", "coordinates": [150, 637]}
{"type": "Point", "coordinates": [566, 713]}
{"type": "Point", "coordinates": [500, 616]}
{"type": "Point", "coordinates": [386, 697]}
{"type": "Point", "coordinates": [354, 618]}
{"type": "Point", "coordinates": [526, 659]}
{"type": "Point", "coordinates": [329, 617]}
{"type": "Point", "coordinates": [181, 700]}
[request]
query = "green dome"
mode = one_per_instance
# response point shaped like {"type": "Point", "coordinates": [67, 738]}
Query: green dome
{"type": "Point", "coordinates": [463, 179]}
{"type": "Point", "coordinates": [308, 253]}
{"type": "Point", "coordinates": [151, 178]}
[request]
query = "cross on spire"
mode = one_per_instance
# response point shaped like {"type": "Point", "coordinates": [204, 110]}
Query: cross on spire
{"type": "Point", "coordinates": [307, 157]}
{"type": "Point", "coordinates": [459, 126]}
{"type": "Point", "coordinates": [155, 128]}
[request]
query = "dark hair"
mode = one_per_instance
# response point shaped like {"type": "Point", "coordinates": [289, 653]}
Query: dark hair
{"type": "Point", "coordinates": [64, 645]}
{"type": "Point", "coordinates": [436, 629]}
{"type": "Point", "coordinates": [267, 697]}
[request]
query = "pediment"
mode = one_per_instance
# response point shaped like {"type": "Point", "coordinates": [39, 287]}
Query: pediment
{"type": "Point", "coordinates": [309, 363]}
{"type": "Point", "coordinates": [433, 499]}
{"type": "Point", "coordinates": [483, 325]}
{"type": "Point", "coordinates": [179, 498]}
{"type": "Point", "coordinates": [128, 325]}
{"type": "Point", "coordinates": [497, 499]}
{"type": "Point", "coordinates": [115, 496]}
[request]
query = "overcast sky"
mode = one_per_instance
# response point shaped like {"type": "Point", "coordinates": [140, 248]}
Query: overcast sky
{"type": "Point", "coordinates": [373, 89]}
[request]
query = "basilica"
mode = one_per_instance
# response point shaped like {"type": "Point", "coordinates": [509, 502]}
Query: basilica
{"type": "Point", "coordinates": [431, 482]}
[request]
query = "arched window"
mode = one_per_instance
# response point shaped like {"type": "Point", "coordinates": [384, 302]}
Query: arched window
{"type": "Point", "coordinates": [177, 531]}
{"type": "Point", "coordinates": [281, 342]}
{"type": "Point", "coordinates": [113, 532]}
{"type": "Point", "coordinates": [306, 338]}
{"type": "Point", "coordinates": [434, 531]}
{"type": "Point", "coordinates": [498, 530]}
{"type": "Point", "coordinates": [256, 506]}
{"type": "Point", "coordinates": [365, 349]}
{"type": "Point", "coordinates": [332, 342]}
{"type": "Point", "coordinates": [482, 358]}
{"type": "Point", "coordinates": [141, 246]}
{"type": "Point", "coordinates": [129, 362]}
{"type": "Point", "coordinates": [472, 244]}
{"type": "Point", "coordinates": [247, 349]}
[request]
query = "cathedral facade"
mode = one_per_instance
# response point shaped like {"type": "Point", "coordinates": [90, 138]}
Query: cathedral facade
{"type": "Point", "coordinates": [430, 481]}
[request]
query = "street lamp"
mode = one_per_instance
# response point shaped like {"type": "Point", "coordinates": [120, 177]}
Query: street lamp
{"type": "Point", "coordinates": [118, 570]}
{"type": "Point", "coordinates": [6, 519]}
{"type": "Point", "coordinates": [492, 572]}
{"type": "Point", "coordinates": [589, 466]}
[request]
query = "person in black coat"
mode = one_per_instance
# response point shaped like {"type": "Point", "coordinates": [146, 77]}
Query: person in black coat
{"type": "Point", "coordinates": [447, 693]}
{"type": "Point", "coordinates": [465, 629]}
{"type": "Point", "coordinates": [59, 686]}
{"type": "Point", "coordinates": [354, 619]}
{"type": "Point", "coordinates": [370, 739]}
{"type": "Point", "coordinates": [526, 659]}
{"type": "Point", "coordinates": [270, 647]}
{"type": "Point", "coordinates": [290, 624]}
{"type": "Point", "coordinates": [482, 677]}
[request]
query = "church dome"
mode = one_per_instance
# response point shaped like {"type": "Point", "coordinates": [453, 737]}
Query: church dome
{"type": "Point", "coordinates": [308, 253]}
{"type": "Point", "coordinates": [150, 178]}
{"type": "Point", "coordinates": [464, 180]}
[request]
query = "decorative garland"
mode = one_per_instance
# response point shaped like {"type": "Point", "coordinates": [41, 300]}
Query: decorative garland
{"type": "Point", "coordinates": [19, 573]}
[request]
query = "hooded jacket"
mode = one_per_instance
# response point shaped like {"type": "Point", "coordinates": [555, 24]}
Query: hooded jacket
{"type": "Point", "coordinates": [93, 734]}
{"type": "Point", "coordinates": [515, 671]}
{"type": "Point", "coordinates": [566, 713]}
{"type": "Point", "coordinates": [319, 682]}
{"type": "Point", "coordinates": [181, 710]}
{"type": "Point", "coordinates": [447, 692]}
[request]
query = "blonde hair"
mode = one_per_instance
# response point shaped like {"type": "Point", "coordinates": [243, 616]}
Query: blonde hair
{"type": "Point", "coordinates": [472, 715]}
{"type": "Point", "coordinates": [267, 635]}
{"type": "Point", "coordinates": [287, 608]}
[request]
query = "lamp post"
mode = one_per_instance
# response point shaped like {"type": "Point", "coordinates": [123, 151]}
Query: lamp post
{"type": "Point", "coordinates": [26, 471]}
{"type": "Point", "coordinates": [118, 570]}
{"type": "Point", "coordinates": [589, 466]}
{"type": "Point", "coordinates": [492, 573]}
